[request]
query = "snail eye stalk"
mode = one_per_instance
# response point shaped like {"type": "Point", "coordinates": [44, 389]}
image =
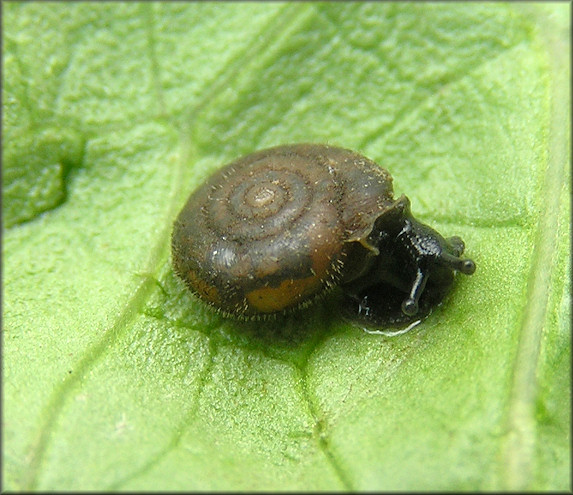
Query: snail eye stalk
{"type": "Point", "coordinates": [410, 305]}
{"type": "Point", "coordinates": [465, 266]}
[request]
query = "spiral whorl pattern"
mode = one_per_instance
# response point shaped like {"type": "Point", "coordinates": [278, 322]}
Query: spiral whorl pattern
{"type": "Point", "coordinates": [264, 199]}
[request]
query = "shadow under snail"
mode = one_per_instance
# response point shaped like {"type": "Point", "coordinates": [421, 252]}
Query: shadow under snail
{"type": "Point", "coordinates": [273, 231]}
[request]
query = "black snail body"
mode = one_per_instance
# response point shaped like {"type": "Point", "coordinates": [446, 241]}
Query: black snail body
{"type": "Point", "coordinates": [276, 229]}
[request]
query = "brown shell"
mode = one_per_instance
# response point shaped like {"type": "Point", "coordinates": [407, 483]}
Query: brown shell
{"type": "Point", "coordinates": [274, 229]}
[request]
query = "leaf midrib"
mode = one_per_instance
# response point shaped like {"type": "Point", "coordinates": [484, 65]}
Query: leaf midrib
{"type": "Point", "coordinates": [517, 450]}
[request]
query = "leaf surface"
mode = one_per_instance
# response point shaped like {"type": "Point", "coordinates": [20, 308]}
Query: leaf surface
{"type": "Point", "coordinates": [116, 378]}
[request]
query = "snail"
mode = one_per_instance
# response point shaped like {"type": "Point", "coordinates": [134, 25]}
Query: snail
{"type": "Point", "coordinates": [275, 230]}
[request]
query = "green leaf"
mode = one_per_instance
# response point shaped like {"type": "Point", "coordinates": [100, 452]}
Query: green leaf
{"type": "Point", "coordinates": [116, 378]}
